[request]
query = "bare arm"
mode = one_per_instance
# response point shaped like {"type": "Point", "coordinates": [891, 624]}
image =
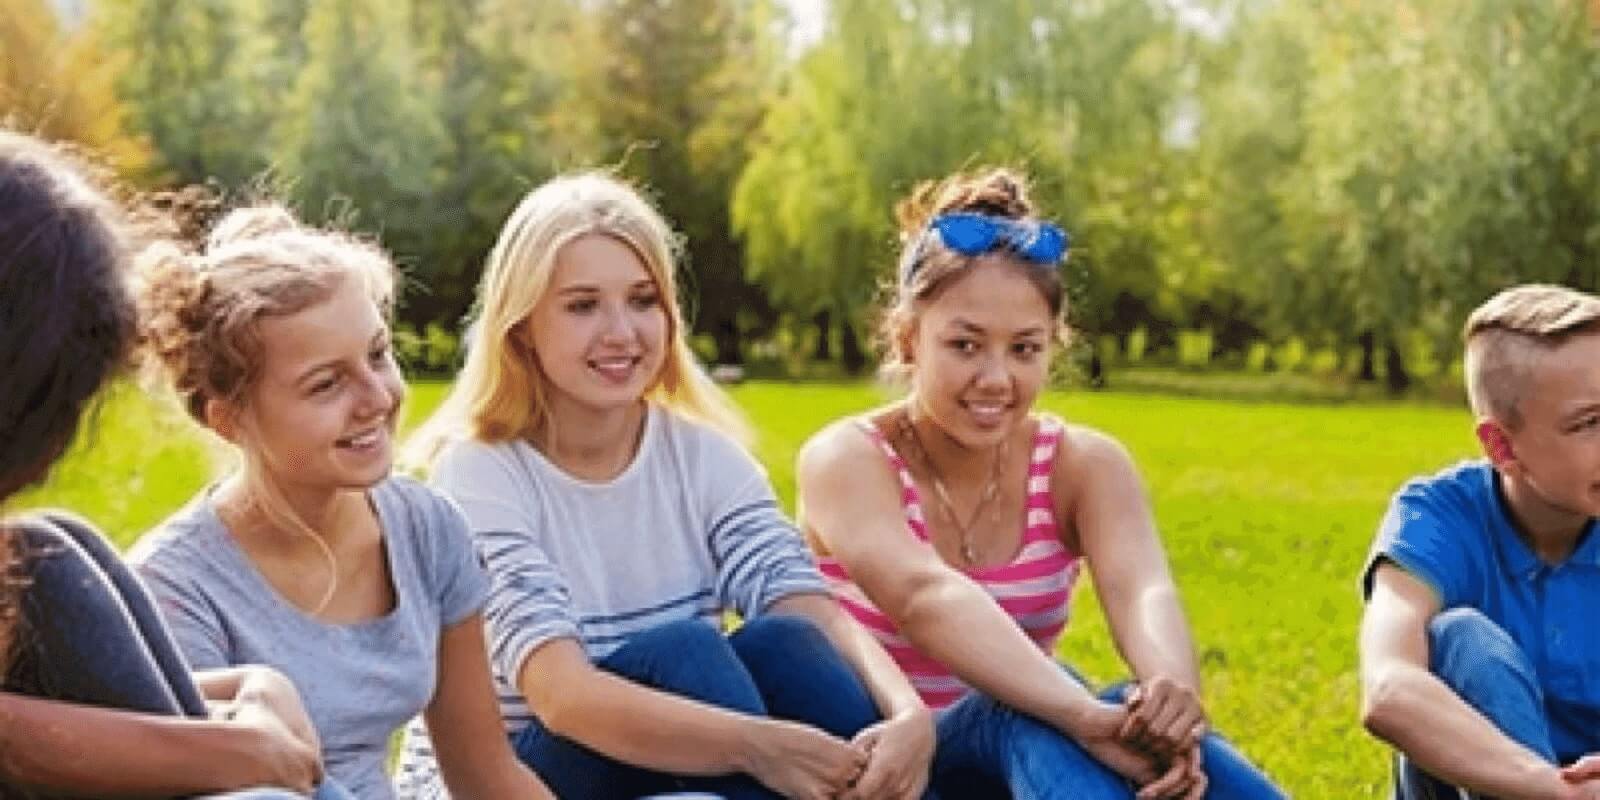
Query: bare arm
{"type": "Point", "coordinates": [1118, 535]}
{"type": "Point", "coordinates": [891, 692]}
{"type": "Point", "coordinates": [473, 752]}
{"type": "Point", "coordinates": [658, 730]}
{"type": "Point", "coordinates": [851, 501]}
{"type": "Point", "coordinates": [902, 745]}
{"type": "Point", "coordinates": [96, 752]}
{"type": "Point", "coordinates": [1404, 704]}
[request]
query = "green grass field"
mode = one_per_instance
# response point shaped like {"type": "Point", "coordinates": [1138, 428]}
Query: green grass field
{"type": "Point", "coordinates": [1266, 511]}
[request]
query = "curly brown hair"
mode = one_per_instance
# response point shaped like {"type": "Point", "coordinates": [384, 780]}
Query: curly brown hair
{"type": "Point", "coordinates": [993, 191]}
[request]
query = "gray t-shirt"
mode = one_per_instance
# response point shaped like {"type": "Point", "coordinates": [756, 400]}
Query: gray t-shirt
{"type": "Point", "coordinates": [360, 682]}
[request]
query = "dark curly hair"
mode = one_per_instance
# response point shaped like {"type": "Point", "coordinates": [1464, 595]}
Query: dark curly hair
{"type": "Point", "coordinates": [67, 317]}
{"type": "Point", "coordinates": [994, 191]}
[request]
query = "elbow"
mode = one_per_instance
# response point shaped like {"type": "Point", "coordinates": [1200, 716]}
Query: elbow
{"type": "Point", "coordinates": [919, 602]}
{"type": "Point", "coordinates": [1383, 704]}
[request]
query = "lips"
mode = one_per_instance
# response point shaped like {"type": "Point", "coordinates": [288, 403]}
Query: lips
{"type": "Point", "coordinates": [616, 369]}
{"type": "Point", "coordinates": [364, 440]}
{"type": "Point", "coordinates": [987, 413]}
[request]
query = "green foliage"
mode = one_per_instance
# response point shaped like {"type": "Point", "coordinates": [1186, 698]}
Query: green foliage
{"type": "Point", "coordinates": [1266, 511]}
{"type": "Point", "coordinates": [59, 85]}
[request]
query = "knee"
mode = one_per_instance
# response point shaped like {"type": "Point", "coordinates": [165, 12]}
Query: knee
{"type": "Point", "coordinates": [1468, 650]}
{"type": "Point", "coordinates": [688, 658]}
{"type": "Point", "coordinates": [779, 634]}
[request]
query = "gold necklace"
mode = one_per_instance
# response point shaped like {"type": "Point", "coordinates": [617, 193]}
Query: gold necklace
{"type": "Point", "coordinates": [990, 491]}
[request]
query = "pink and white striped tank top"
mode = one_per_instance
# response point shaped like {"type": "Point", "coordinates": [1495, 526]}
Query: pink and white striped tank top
{"type": "Point", "coordinates": [1033, 588]}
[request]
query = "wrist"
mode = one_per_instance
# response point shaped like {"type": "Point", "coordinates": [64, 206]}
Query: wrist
{"type": "Point", "coordinates": [1546, 782]}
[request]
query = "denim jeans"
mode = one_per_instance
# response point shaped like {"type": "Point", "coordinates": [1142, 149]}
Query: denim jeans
{"type": "Point", "coordinates": [777, 666]}
{"type": "Point", "coordinates": [1480, 662]}
{"type": "Point", "coordinates": [989, 750]}
{"type": "Point", "coordinates": [91, 634]}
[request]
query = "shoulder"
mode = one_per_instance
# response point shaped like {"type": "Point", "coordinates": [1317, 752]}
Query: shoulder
{"type": "Point", "coordinates": [470, 458]}
{"type": "Point", "coordinates": [1085, 451]}
{"type": "Point", "coordinates": [1464, 487]}
{"type": "Point", "coordinates": [187, 536]}
{"type": "Point", "coordinates": [695, 444]}
{"type": "Point", "coordinates": [842, 444]}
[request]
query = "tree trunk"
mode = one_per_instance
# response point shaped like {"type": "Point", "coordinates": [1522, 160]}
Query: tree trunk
{"type": "Point", "coordinates": [1097, 371]}
{"type": "Point", "coordinates": [824, 323]}
{"type": "Point", "coordinates": [1394, 369]}
{"type": "Point", "coordinates": [729, 349]}
{"type": "Point", "coordinates": [850, 350]}
{"type": "Point", "coordinates": [1369, 368]}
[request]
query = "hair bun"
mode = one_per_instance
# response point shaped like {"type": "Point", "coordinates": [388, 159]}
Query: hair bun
{"type": "Point", "coordinates": [251, 222]}
{"type": "Point", "coordinates": [996, 191]}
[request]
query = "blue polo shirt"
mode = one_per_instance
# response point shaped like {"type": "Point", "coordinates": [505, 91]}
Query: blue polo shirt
{"type": "Point", "coordinates": [1454, 532]}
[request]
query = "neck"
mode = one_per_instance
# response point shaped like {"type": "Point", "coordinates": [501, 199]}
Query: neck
{"type": "Point", "coordinates": [590, 444]}
{"type": "Point", "coordinates": [320, 509]}
{"type": "Point", "coordinates": [1550, 531]}
{"type": "Point", "coordinates": [956, 462]}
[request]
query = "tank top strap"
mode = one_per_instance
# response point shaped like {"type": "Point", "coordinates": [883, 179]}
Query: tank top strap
{"type": "Point", "coordinates": [910, 498]}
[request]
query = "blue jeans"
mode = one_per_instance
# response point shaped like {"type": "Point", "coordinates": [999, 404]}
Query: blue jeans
{"type": "Point", "coordinates": [1480, 662]}
{"type": "Point", "coordinates": [776, 666]}
{"type": "Point", "coordinates": [987, 749]}
{"type": "Point", "coordinates": [91, 634]}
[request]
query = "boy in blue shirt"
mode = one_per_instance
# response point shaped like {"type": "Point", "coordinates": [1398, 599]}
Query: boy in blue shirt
{"type": "Point", "coordinates": [1480, 660]}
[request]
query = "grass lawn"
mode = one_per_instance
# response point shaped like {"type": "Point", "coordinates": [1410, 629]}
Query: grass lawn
{"type": "Point", "coordinates": [1266, 511]}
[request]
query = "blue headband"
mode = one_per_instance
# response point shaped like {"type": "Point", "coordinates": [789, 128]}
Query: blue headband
{"type": "Point", "coordinates": [1034, 240]}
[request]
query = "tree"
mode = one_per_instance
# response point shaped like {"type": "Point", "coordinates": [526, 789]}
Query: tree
{"type": "Point", "coordinates": [671, 90]}
{"type": "Point", "coordinates": [59, 86]}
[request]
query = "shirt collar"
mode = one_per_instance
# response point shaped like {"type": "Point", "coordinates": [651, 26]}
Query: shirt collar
{"type": "Point", "coordinates": [1518, 558]}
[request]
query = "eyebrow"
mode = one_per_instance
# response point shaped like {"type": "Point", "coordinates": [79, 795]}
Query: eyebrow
{"type": "Point", "coordinates": [589, 288]}
{"type": "Point", "coordinates": [381, 336]}
{"type": "Point", "coordinates": [1581, 411]}
{"type": "Point", "coordinates": [973, 327]}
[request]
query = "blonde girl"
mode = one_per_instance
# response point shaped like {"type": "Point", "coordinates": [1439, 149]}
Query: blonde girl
{"type": "Point", "coordinates": [604, 478]}
{"type": "Point", "coordinates": [363, 588]}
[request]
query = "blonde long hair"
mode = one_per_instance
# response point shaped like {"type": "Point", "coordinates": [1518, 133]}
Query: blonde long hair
{"type": "Point", "coordinates": [501, 394]}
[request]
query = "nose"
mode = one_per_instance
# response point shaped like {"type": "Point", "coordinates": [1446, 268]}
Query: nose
{"type": "Point", "coordinates": [992, 372]}
{"type": "Point", "coordinates": [378, 392]}
{"type": "Point", "coordinates": [616, 328]}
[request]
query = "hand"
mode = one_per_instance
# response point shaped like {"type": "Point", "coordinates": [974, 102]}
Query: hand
{"type": "Point", "coordinates": [799, 761]}
{"type": "Point", "coordinates": [1583, 778]}
{"type": "Point", "coordinates": [285, 758]}
{"type": "Point", "coordinates": [899, 755]}
{"type": "Point", "coordinates": [1185, 779]}
{"type": "Point", "coordinates": [1165, 717]}
{"type": "Point", "coordinates": [1097, 732]}
{"type": "Point", "coordinates": [273, 691]}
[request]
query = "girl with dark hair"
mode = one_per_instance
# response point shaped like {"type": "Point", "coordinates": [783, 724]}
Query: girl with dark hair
{"type": "Point", "coordinates": [953, 525]}
{"type": "Point", "coordinates": [96, 700]}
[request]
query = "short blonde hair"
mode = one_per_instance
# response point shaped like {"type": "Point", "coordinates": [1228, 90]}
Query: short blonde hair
{"type": "Point", "coordinates": [1508, 333]}
{"type": "Point", "coordinates": [501, 394]}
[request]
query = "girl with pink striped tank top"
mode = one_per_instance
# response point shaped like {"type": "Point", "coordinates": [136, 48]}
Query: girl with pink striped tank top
{"type": "Point", "coordinates": [953, 524]}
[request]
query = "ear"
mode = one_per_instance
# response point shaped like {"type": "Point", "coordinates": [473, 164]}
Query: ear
{"type": "Point", "coordinates": [1496, 443]}
{"type": "Point", "coordinates": [222, 418]}
{"type": "Point", "coordinates": [908, 342]}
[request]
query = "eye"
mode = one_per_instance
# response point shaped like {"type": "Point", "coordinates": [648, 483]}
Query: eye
{"type": "Point", "coordinates": [324, 385]}
{"type": "Point", "coordinates": [644, 301]}
{"type": "Point", "coordinates": [379, 353]}
{"type": "Point", "coordinates": [964, 346]}
{"type": "Point", "coordinates": [1027, 349]}
{"type": "Point", "coordinates": [1586, 423]}
{"type": "Point", "coordinates": [582, 306]}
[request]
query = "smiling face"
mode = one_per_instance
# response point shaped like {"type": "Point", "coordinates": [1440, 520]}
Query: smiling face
{"type": "Point", "coordinates": [980, 352]}
{"type": "Point", "coordinates": [322, 411]}
{"type": "Point", "coordinates": [1551, 460]}
{"type": "Point", "coordinates": [600, 331]}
